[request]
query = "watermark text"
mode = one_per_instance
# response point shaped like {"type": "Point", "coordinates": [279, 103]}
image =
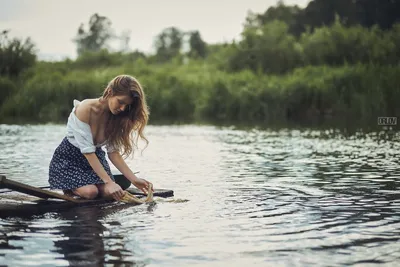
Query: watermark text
{"type": "Point", "coordinates": [387, 121]}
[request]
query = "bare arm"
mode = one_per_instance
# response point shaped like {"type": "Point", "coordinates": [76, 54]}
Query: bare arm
{"type": "Point", "coordinates": [120, 164]}
{"type": "Point", "coordinates": [97, 167]}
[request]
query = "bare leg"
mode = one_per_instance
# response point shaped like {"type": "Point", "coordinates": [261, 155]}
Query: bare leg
{"type": "Point", "coordinates": [68, 192]}
{"type": "Point", "coordinates": [100, 188]}
{"type": "Point", "coordinates": [87, 191]}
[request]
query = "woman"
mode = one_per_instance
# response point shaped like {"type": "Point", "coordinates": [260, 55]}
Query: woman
{"type": "Point", "coordinates": [79, 165]}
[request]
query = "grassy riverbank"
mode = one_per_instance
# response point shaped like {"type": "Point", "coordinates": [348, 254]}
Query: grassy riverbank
{"type": "Point", "coordinates": [197, 92]}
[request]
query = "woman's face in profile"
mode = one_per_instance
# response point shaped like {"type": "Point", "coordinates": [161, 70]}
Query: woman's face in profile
{"type": "Point", "coordinates": [119, 103]}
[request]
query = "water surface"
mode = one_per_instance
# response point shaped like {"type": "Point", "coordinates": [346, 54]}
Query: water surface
{"type": "Point", "coordinates": [255, 197]}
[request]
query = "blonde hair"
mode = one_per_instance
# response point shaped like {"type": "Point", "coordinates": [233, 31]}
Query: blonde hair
{"type": "Point", "coordinates": [123, 130]}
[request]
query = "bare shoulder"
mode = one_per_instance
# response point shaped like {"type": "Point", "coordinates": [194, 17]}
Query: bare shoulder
{"type": "Point", "coordinates": [84, 110]}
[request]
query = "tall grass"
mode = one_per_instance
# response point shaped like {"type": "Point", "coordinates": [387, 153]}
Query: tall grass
{"type": "Point", "coordinates": [197, 92]}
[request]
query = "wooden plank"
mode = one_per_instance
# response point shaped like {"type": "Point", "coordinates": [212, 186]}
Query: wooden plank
{"type": "Point", "coordinates": [157, 192]}
{"type": "Point", "coordinates": [46, 194]}
{"type": "Point", "coordinates": [34, 191]}
{"type": "Point", "coordinates": [19, 204]}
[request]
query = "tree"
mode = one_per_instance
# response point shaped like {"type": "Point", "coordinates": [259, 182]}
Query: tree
{"type": "Point", "coordinates": [16, 55]}
{"type": "Point", "coordinates": [96, 37]}
{"type": "Point", "coordinates": [269, 48]}
{"type": "Point", "coordinates": [319, 13]}
{"type": "Point", "coordinates": [384, 13]}
{"type": "Point", "coordinates": [198, 48]}
{"type": "Point", "coordinates": [287, 14]}
{"type": "Point", "coordinates": [168, 44]}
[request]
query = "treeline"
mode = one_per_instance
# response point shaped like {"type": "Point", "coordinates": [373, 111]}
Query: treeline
{"type": "Point", "coordinates": [333, 60]}
{"type": "Point", "coordinates": [367, 13]}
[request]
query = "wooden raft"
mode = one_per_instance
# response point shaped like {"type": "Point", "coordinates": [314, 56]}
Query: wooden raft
{"type": "Point", "coordinates": [37, 200]}
{"type": "Point", "coordinates": [33, 191]}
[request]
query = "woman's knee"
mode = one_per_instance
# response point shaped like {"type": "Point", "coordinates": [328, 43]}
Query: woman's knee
{"type": "Point", "coordinates": [87, 191]}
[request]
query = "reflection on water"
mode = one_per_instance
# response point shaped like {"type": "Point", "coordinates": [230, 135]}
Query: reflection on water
{"type": "Point", "coordinates": [271, 197]}
{"type": "Point", "coordinates": [78, 237]}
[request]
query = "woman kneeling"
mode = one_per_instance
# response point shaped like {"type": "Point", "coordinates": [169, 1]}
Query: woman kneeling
{"type": "Point", "coordinates": [79, 165]}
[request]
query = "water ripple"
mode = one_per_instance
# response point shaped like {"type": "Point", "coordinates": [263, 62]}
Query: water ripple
{"type": "Point", "coordinates": [255, 197]}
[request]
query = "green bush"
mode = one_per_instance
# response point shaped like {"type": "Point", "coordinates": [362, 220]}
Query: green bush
{"type": "Point", "coordinates": [7, 88]}
{"type": "Point", "coordinates": [16, 55]}
{"type": "Point", "coordinates": [194, 92]}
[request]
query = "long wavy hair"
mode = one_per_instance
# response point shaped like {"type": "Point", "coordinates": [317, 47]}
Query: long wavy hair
{"type": "Point", "coordinates": [124, 129]}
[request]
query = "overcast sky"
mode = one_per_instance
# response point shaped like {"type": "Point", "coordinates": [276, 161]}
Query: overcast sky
{"type": "Point", "coordinates": [52, 24]}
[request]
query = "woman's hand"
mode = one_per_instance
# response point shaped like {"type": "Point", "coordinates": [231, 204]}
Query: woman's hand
{"type": "Point", "coordinates": [114, 190]}
{"type": "Point", "coordinates": [142, 184]}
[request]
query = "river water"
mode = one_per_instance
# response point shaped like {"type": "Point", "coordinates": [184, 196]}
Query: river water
{"type": "Point", "coordinates": [288, 197]}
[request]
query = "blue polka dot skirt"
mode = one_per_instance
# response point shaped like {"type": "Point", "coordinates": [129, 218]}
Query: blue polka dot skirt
{"type": "Point", "coordinates": [69, 169]}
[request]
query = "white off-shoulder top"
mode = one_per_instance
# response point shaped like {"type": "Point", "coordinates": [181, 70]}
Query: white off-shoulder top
{"type": "Point", "coordinates": [80, 135]}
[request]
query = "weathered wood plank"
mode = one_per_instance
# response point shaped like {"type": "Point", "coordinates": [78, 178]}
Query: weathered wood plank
{"type": "Point", "coordinates": [14, 204]}
{"type": "Point", "coordinates": [34, 191]}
